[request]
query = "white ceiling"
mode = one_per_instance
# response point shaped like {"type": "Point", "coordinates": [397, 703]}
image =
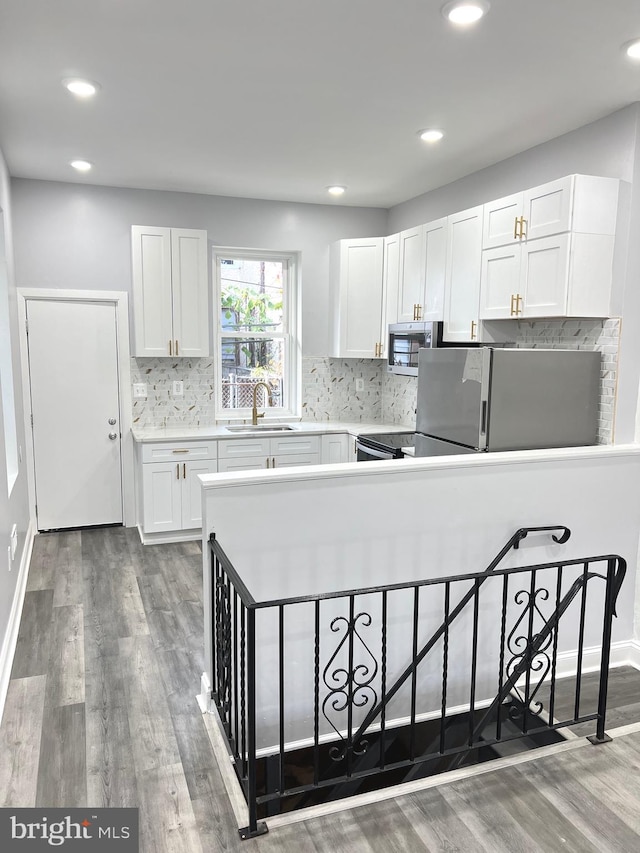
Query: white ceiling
{"type": "Point", "coordinates": [279, 98]}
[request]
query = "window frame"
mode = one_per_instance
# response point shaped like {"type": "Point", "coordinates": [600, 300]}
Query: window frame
{"type": "Point", "coordinates": [290, 334]}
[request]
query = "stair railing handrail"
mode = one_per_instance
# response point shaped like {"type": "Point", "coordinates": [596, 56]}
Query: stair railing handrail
{"type": "Point", "coordinates": [513, 542]}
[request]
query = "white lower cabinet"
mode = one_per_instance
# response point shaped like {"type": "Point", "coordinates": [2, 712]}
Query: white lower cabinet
{"type": "Point", "coordinates": [170, 497]}
{"type": "Point", "coordinates": [336, 447]}
{"type": "Point", "coordinates": [285, 451]}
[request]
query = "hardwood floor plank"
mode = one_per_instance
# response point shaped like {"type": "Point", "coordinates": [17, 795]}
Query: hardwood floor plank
{"type": "Point", "coordinates": [385, 829]}
{"type": "Point", "coordinates": [437, 823]}
{"type": "Point", "coordinates": [161, 619]}
{"type": "Point", "coordinates": [150, 724]}
{"type": "Point", "coordinates": [213, 813]}
{"type": "Point", "coordinates": [44, 562]}
{"type": "Point", "coordinates": [111, 773]}
{"type": "Point", "coordinates": [34, 636]}
{"type": "Point", "coordinates": [20, 736]}
{"type": "Point", "coordinates": [66, 679]}
{"type": "Point", "coordinates": [68, 587]}
{"type": "Point", "coordinates": [167, 821]}
{"type": "Point", "coordinates": [62, 778]}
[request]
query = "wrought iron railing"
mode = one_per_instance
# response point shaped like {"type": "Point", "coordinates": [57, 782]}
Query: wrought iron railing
{"type": "Point", "coordinates": [317, 701]}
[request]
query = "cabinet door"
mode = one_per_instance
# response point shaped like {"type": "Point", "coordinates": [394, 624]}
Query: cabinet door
{"type": "Point", "coordinates": [162, 496]}
{"type": "Point", "coordinates": [390, 281]}
{"type": "Point", "coordinates": [499, 282]}
{"type": "Point", "coordinates": [294, 444]}
{"type": "Point", "coordinates": [544, 277]}
{"type": "Point", "coordinates": [500, 221]}
{"type": "Point", "coordinates": [462, 288]}
{"type": "Point", "coordinates": [190, 289]}
{"type": "Point", "coordinates": [192, 492]}
{"type": "Point", "coordinates": [547, 209]}
{"type": "Point", "coordinates": [152, 309]}
{"type": "Point", "coordinates": [360, 300]}
{"type": "Point", "coordinates": [335, 448]}
{"type": "Point", "coordinates": [411, 281]}
{"type": "Point", "coordinates": [435, 236]}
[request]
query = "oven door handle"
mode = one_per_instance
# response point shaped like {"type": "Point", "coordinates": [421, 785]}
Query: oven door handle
{"type": "Point", "coordinates": [378, 454]}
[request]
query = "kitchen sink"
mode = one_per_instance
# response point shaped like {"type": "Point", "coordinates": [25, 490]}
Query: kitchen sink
{"type": "Point", "coordinates": [260, 428]}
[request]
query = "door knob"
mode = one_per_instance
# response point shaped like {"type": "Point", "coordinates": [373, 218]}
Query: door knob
{"type": "Point", "coordinates": [112, 421]}
{"type": "Point", "coordinates": [113, 436]}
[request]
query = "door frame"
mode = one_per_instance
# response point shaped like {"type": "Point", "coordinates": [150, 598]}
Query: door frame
{"type": "Point", "coordinates": [120, 300]}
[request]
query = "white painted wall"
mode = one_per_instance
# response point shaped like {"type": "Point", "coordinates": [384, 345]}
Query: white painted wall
{"type": "Point", "coordinates": [351, 527]}
{"type": "Point", "coordinates": [13, 508]}
{"type": "Point", "coordinates": [74, 236]}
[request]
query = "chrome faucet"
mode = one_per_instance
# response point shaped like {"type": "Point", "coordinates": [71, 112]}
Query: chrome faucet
{"type": "Point", "coordinates": [254, 412]}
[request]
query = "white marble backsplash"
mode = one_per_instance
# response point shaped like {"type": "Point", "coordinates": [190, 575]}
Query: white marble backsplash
{"type": "Point", "coordinates": [330, 388]}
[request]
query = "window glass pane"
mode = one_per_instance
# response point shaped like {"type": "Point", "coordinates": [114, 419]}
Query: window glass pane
{"type": "Point", "coordinates": [251, 295]}
{"type": "Point", "coordinates": [247, 361]}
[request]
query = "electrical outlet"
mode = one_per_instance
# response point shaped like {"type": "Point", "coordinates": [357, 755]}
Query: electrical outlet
{"type": "Point", "coordinates": [359, 384]}
{"type": "Point", "coordinates": [178, 387]}
{"type": "Point", "coordinates": [139, 389]}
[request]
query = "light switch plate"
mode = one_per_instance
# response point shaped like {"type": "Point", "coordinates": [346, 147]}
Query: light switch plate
{"type": "Point", "coordinates": [359, 384]}
{"type": "Point", "coordinates": [178, 388]}
{"type": "Point", "coordinates": [139, 389]}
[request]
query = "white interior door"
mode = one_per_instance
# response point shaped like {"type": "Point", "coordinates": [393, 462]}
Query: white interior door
{"type": "Point", "coordinates": [73, 368]}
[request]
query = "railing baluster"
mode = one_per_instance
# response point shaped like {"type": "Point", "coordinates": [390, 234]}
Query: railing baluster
{"type": "Point", "coordinates": [609, 604]}
{"type": "Point", "coordinates": [528, 650]}
{"type": "Point", "coordinates": [445, 665]}
{"type": "Point", "coordinates": [350, 689]}
{"type": "Point", "coordinates": [383, 680]}
{"type": "Point", "coordinates": [554, 658]}
{"type": "Point", "coordinates": [316, 695]}
{"type": "Point", "coordinates": [474, 661]}
{"type": "Point", "coordinates": [243, 695]}
{"type": "Point", "coordinates": [583, 609]}
{"type": "Point", "coordinates": [414, 676]}
{"type": "Point", "coordinates": [214, 624]}
{"type": "Point", "coordinates": [281, 690]}
{"type": "Point", "coordinates": [234, 636]}
{"type": "Point", "coordinates": [503, 632]}
{"type": "Point", "coordinates": [251, 721]}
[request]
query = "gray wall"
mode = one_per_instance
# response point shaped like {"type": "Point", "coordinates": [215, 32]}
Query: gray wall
{"type": "Point", "coordinates": [79, 237]}
{"type": "Point", "coordinates": [608, 147]}
{"type": "Point", "coordinates": [13, 508]}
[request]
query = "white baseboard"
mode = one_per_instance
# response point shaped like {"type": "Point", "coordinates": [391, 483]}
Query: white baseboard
{"type": "Point", "coordinates": [169, 537]}
{"type": "Point", "coordinates": [11, 635]}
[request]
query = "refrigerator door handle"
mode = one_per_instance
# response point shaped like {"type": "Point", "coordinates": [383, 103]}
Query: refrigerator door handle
{"type": "Point", "coordinates": [483, 419]}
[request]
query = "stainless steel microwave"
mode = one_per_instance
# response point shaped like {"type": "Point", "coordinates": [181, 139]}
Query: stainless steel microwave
{"type": "Point", "coordinates": [406, 340]}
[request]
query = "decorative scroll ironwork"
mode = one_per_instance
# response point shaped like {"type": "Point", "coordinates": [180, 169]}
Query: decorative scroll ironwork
{"type": "Point", "coordinates": [520, 645]}
{"type": "Point", "coordinates": [349, 686]}
{"type": "Point", "coordinates": [223, 649]}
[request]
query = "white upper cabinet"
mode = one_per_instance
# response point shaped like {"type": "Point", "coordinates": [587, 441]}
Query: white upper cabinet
{"type": "Point", "coordinates": [548, 252]}
{"type": "Point", "coordinates": [391, 279]}
{"type": "Point", "coordinates": [358, 298]}
{"type": "Point", "coordinates": [170, 291]}
{"type": "Point", "coordinates": [423, 252]}
{"type": "Point", "coordinates": [462, 282]}
{"type": "Point", "coordinates": [411, 281]}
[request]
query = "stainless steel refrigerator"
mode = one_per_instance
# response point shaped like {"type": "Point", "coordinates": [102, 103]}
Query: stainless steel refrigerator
{"type": "Point", "coordinates": [483, 399]}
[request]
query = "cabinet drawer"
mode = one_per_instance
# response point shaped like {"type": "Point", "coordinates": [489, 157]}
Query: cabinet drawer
{"type": "Point", "coordinates": [180, 451]}
{"type": "Point", "coordinates": [286, 444]}
{"type": "Point", "coordinates": [238, 448]}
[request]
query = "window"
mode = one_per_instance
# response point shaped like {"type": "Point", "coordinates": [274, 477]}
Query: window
{"type": "Point", "coordinates": [257, 338]}
{"type": "Point", "coordinates": [6, 372]}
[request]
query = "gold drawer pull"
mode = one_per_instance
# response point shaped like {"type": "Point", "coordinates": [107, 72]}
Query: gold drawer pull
{"type": "Point", "coordinates": [180, 451]}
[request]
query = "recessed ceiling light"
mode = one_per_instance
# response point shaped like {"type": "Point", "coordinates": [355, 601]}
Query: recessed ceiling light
{"type": "Point", "coordinates": [431, 135]}
{"type": "Point", "coordinates": [633, 49]}
{"type": "Point", "coordinates": [80, 88]}
{"type": "Point", "coordinates": [81, 165]}
{"type": "Point", "coordinates": [465, 12]}
{"type": "Point", "coordinates": [336, 190]}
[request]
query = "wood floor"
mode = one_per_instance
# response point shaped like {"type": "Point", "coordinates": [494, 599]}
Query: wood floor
{"type": "Point", "coordinates": [101, 712]}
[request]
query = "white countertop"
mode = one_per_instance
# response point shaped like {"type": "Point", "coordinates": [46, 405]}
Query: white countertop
{"type": "Point", "coordinates": [148, 434]}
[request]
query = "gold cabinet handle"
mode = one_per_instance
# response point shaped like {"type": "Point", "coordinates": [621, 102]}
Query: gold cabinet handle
{"type": "Point", "coordinates": [473, 329]}
{"type": "Point", "coordinates": [523, 224]}
{"type": "Point", "coordinates": [377, 353]}
{"type": "Point", "coordinates": [176, 347]}
{"type": "Point", "coordinates": [273, 461]}
{"type": "Point", "coordinates": [513, 308]}
{"type": "Point", "coordinates": [519, 302]}
{"type": "Point", "coordinates": [170, 347]}
{"type": "Point", "coordinates": [415, 312]}
{"type": "Point", "coordinates": [515, 228]}
{"type": "Point", "coordinates": [179, 451]}
{"type": "Point", "coordinates": [419, 317]}
{"type": "Point", "coordinates": [184, 470]}
{"type": "Point", "coordinates": [268, 462]}
{"type": "Point", "coordinates": [177, 470]}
